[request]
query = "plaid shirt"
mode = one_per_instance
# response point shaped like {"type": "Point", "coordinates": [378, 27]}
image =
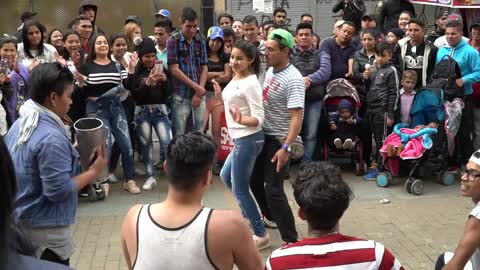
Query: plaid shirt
{"type": "Point", "coordinates": [189, 57]}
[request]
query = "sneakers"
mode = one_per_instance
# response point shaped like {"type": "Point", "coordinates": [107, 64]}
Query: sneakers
{"type": "Point", "coordinates": [269, 224]}
{"type": "Point", "coordinates": [371, 175]}
{"type": "Point", "coordinates": [112, 178]}
{"type": "Point", "coordinates": [338, 143]}
{"type": "Point", "coordinates": [150, 183]}
{"type": "Point", "coordinates": [262, 242]}
{"type": "Point", "coordinates": [131, 186]}
{"type": "Point", "coordinates": [348, 144]}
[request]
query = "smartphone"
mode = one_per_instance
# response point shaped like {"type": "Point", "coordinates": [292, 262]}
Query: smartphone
{"type": "Point", "coordinates": [3, 66]}
{"type": "Point", "coordinates": [159, 66]}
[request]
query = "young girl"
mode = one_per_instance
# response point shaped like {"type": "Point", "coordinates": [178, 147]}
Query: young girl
{"type": "Point", "coordinates": [33, 51]}
{"type": "Point", "coordinates": [237, 27]}
{"type": "Point", "coordinates": [403, 20]}
{"type": "Point", "coordinates": [118, 45]}
{"type": "Point", "coordinates": [218, 69]}
{"type": "Point", "coordinates": [131, 30]}
{"type": "Point", "coordinates": [74, 59]}
{"type": "Point", "coordinates": [103, 81]}
{"type": "Point", "coordinates": [14, 79]}
{"type": "Point", "coordinates": [151, 91]}
{"type": "Point", "coordinates": [243, 101]}
{"type": "Point", "coordinates": [55, 38]}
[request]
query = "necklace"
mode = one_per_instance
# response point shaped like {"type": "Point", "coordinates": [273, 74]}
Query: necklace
{"type": "Point", "coordinates": [325, 234]}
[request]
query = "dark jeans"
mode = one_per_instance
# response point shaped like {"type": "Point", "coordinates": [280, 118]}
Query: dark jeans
{"type": "Point", "coordinates": [51, 256]}
{"type": "Point", "coordinates": [463, 140]}
{"type": "Point", "coordinates": [376, 125]}
{"type": "Point", "coordinates": [129, 109]}
{"type": "Point", "coordinates": [267, 187]}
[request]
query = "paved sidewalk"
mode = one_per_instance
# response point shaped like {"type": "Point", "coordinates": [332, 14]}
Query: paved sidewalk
{"type": "Point", "coordinates": [415, 228]}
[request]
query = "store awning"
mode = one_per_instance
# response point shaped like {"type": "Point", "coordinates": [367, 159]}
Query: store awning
{"type": "Point", "coordinates": [450, 3]}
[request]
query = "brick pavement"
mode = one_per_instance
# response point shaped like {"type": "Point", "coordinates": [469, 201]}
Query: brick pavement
{"type": "Point", "coordinates": [415, 228]}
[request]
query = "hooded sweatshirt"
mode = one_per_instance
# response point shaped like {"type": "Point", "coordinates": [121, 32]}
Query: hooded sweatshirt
{"type": "Point", "coordinates": [92, 3]}
{"type": "Point", "coordinates": [334, 118]}
{"type": "Point", "coordinates": [468, 61]}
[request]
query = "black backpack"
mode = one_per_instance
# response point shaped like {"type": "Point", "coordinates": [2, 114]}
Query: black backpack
{"type": "Point", "coordinates": [444, 76]}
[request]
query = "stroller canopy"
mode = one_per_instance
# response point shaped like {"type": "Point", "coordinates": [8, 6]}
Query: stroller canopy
{"type": "Point", "coordinates": [427, 107]}
{"type": "Point", "coordinates": [342, 88]}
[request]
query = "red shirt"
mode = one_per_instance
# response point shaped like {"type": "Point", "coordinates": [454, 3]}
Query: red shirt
{"type": "Point", "coordinates": [475, 86]}
{"type": "Point", "coordinates": [336, 250]}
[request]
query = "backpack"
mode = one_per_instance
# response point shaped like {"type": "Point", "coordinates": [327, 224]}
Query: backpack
{"type": "Point", "coordinates": [444, 76]}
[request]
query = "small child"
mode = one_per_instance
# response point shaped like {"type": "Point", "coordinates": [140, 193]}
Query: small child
{"type": "Point", "coordinates": [407, 94]}
{"type": "Point", "coordinates": [344, 123]}
{"type": "Point", "coordinates": [394, 35]}
{"type": "Point", "coordinates": [382, 100]}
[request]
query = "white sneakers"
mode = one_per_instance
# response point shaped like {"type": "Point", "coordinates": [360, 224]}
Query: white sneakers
{"type": "Point", "coordinates": [262, 242]}
{"type": "Point", "coordinates": [348, 144]}
{"type": "Point", "coordinates": [112, 178]}
{"type": "Point", "coordinates": [150, 183]}
{"type": "Point", "coordinates": [131, 186]}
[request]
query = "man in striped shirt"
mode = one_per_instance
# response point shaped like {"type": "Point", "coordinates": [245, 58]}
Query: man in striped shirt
{"type": "Point", "coordinates": [323, 197]}
{"type": "Point", "coordinates": [283, 102]}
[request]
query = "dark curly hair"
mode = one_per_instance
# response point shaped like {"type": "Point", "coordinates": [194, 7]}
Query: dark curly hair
{"type": "Point", "coordinates": [322, 194]}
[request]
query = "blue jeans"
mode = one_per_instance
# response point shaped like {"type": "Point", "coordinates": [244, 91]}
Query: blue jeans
{"type": "Point", "coordinates": [148, 118]}
{"type": "Point", "coordinates": [236, 174]}
{"type": "Point", "coordinates": [311, 123]}
{"type": "Point", "coordinates": [110, 111]}
{"type": "Point", "coordinates": [181, 111]}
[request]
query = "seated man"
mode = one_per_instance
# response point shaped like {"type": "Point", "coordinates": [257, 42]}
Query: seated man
{"type": "Point", "coordinates": [467, 253]}
{"type": "Point", "coordinates": [323, 197]}
{"type": "Point", "coordinates": [179, 233]}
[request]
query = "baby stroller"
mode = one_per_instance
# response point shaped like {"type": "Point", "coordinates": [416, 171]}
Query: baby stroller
{"type": "Point", "coordinates": [336, 91]}
{"type": "Point", "coordinates": [427, 107]}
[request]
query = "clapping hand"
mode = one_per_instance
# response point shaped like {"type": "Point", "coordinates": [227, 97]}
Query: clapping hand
{"type": "Point", "coordinates": [133, 63]}
{"type": "Point", "coordinates": [236, 114]}
{"type": "Point", "coordinates": [217, 88]}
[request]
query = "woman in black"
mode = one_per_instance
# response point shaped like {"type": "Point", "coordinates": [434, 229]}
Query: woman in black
{"type": "Point", "coordinates": [220, 70]}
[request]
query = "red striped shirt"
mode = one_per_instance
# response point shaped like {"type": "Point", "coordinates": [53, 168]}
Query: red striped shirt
{"type": "Point", "coordinates": [333, 252]}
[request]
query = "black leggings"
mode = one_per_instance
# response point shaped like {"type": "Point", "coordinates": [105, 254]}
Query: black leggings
{"type": "Point", "coordinates": [49, 255]}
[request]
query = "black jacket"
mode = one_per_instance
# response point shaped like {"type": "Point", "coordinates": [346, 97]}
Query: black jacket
{"type": "Point", "coordinates": [390, 12]}
{"type": "Point", "coordinates": [149, 95]}
{"type": "Point", "coordinates": [352, 11]}
{"type": "Point", "coordinates": [384, 90]}
{"type": "Point", "coordinates": [360, 59]}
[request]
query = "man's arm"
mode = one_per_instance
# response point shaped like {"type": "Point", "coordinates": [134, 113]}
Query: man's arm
{"type": "Point", "coordinates": [467, 246]}
{"type": "Point", "coordinates": [245, 253]}
{"type": "Point", "coordinates": [203, 77]}
{"type": "Point", "coordinates": [338, 6]}
{"type": "Point", "coordinates": [128, 236]}
{"type": "Point", "coordinates": [323, 73]}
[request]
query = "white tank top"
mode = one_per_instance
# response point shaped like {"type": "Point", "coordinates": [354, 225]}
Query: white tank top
{"type": "Point", "coordinates": [182, 248]}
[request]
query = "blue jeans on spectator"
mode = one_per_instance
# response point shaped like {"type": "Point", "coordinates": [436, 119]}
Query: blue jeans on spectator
{"type": "Point", "coordinates": [311, 123]}
{"type": "Point", "coordinates": [181, 110]}
{"type": "Point", "coordinates": [236, 174]}
{"type": "Point", "coordinates": [110, 111]}
{"type": "Point", "coordinates": [148, 118]}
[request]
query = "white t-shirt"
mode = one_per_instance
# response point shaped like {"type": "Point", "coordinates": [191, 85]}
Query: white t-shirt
{"type": "Point", "coordinates": [476, 255]}
{"type": "Point", "coordinates": [246, 95]}
{"type": "Point", "coordinates": [48, 55]}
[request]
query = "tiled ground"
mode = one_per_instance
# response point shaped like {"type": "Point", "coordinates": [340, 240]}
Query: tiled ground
{"type": "Point", "coordinates": [415, 228]}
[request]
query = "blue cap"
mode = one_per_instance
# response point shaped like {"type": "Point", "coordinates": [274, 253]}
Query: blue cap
{"type": "Point", "coordinates": [164, 13]}
{"type": "Point", "coordinates": [215, 32]}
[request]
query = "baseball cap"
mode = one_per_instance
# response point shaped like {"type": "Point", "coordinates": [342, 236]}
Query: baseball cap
{"type": "Point", "coordinates": [454, 17]}
{"type": "Point", "coordinates": [441, 14]}
{"type": "Point", "coordinates": [475, 23]}
{"type": "Point", "coordinates": [27, 15]}
{"type": "Point", "coordinates": [286, 38]}
{"type": "Point", "coordinates": [368, 15]}
{"type": "Point", "coordinates": [215, 32]}
{"type": "Point", "coordinates": [164, 13]}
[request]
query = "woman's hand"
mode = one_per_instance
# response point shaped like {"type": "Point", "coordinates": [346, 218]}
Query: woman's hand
{"type": "Point", "coordinates": [133, 63]}
{"type": "Point", "coordinates": [34, 64]}
{"type": "Point", "coordinates": [163, 77]}
{"type": "Point", "coordinates": [154, 77]}
{"type": "Point", "coordinates": [236, 114]}
{"type": "Point", "coordinates": [80, 78]}
{"type": "Point", "coordinates": [75, 58]}
{"type": "Point", "coordinates": [100, 162]}
{"type": "Point", "coordinates": [217, 88]}
{"type": "Point", "coordinates": [3, 78]}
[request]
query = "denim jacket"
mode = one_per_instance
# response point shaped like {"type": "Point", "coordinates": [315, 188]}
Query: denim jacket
{"type": "Point", "coordinates": [44, 165]}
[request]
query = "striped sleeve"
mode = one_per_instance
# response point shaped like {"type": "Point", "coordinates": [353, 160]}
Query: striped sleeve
{"type": "Point", "coordinates": [296, 94]}
{"type": "Point", "coordinates": [385, 259]}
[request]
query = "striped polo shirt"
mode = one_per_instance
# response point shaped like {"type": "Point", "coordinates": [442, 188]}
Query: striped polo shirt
{"type": "Point", "coordinates": [333, 252]}
{"type": "Point", "coordinates": [282, 90]}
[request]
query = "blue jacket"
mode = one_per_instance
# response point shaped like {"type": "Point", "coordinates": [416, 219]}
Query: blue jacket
{"type": "Point", "coordinates": [44, 165]}
{"type": "Point", "coordinates": [468, 61]}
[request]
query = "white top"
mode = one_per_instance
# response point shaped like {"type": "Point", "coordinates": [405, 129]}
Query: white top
{"type": "Point", "coordinates": [182, 248]}
{"type": "Point", "coordinates": [245, 94]}
{"type": "Point", "coordinates": [476, 255]}
{"type": "Point", "coordinates": [3, 118]}
{"type": "Point", "coordinates": [48, 55]}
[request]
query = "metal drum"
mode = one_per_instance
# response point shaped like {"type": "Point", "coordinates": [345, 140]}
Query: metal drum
{"type": "Point", "coordinates": [90, 135]}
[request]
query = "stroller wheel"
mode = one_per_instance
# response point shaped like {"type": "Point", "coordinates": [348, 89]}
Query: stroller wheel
{"type": "Point", "coordinates": [447, 178]}
{"type": "Point", "coordinates": [92, 194]}
{"type": "Point", "coordinates": [417, 187]}
{"type": "Point", "coordinates": [384, 179]}
{"type": "Point", "coordinates": [408, 185]}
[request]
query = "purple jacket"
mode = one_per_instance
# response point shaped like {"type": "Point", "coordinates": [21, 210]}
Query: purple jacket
{"type": "Point", "coordinates": [19, 92]}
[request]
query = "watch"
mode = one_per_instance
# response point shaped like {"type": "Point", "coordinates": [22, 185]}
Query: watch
{"type": "Point", "coordinates": [287, 147]}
